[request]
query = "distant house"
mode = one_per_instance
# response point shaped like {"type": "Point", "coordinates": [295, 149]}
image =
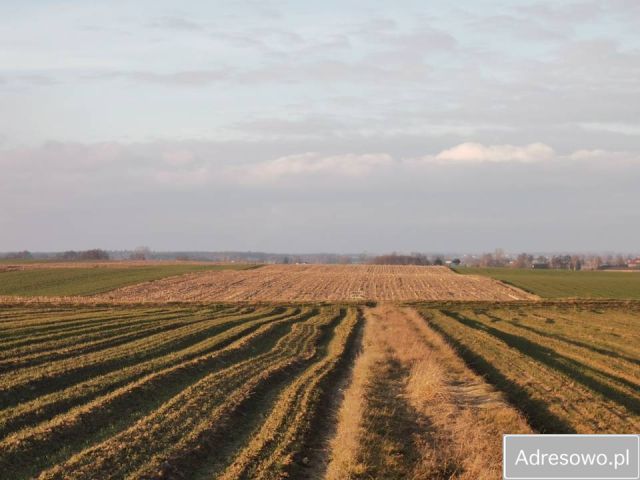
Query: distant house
{"type": "Point", "coordinates": [635, 263]}
{"type": "Point", "coordinates": [539, 265]}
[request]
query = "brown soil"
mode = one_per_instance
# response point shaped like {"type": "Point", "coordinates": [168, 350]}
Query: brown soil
{"type": "Point", "coordinates": [312, 283]}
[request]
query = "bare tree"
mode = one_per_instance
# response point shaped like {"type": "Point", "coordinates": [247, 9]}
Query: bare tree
{"type": "Point", "coordinates": [141, 253]}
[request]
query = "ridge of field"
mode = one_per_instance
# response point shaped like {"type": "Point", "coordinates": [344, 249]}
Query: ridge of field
{"type": "Point", "coordinates": [69, 279]}
{"type": "Point", "coordinates": [317, 283]}
{"type": "Point", "coordinates": [414, 409]}
{"type": "Point", "coordinates": [568, 369]}
{"type": "Point", "coordinates": [621, 285]}
{"type": "Point", "coordinates": [166, 392]}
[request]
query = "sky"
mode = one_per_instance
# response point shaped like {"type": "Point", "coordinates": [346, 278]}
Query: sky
{"type": "Point", "coordinates": [336, 126]}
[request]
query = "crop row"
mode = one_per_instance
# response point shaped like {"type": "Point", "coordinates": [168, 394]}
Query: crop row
{"type": "Point", "coordinates": [24, 384]}
{"type": "Point", "coordinates": [279, 444]}
{"type": "Point", "coordinates": [154, 404]}
{"type": "Point", "coordinates": [46, 405]}
{"type": "Point", "coordinates": [91, 339]}
{"type": "Point", "coordinates": [563, 379]}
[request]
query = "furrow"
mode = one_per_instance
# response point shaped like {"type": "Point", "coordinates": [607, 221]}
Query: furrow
{"type": "Point", "coordinates": [194, 414]}
{"type": "Point", "coordinates": [276, 449]}
{"type": "Point", "coordinates": [99, 329]}
{"type": "Point", "coordinates": [81, 344]}
{"type": "Point", "coordinates": [51, 353]}
{"type": "Point", "coordinates": [75, 323]}
{"type": "Point", "coordinates": [28, 383]}
{"type": "Point", "coordinates": [533, 384]}
{"type": "Point", "coordinates": [47, 406]}
{"type": "Point", "coordinates": [91, 422]}
{"type": "Point", "coordinates": [609, 372]}
{"type": "Point", "coordinates": [34, 315]}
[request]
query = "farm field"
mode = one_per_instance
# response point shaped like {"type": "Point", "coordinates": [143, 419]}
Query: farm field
{"type": "Point", "coordinates": [67, 279]}
{"type": "Point", "coordinates": [212, 392]}
{"type": "Point", "coordinates": [315, 283]}
{"type": "Point", "coordinates": [566, 283]}
{"type": "Point", "coordinates": [568, 368]}
{"type": "Point", "coordinates": [239, 391]}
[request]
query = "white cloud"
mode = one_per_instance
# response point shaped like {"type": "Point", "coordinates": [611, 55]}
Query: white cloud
{"type": "Point", "coordinates": [212, 195]}
{"type": "Point", "coordinates": [71, 168]}
{"type": "Point", "coordinates": [313, 164]}
{"type": "Point", "coordinates": [588, 154]}
{"type": "Point", "coordinates": [471, 152]}
{"type": "Point", "coordinates": [604, 158]}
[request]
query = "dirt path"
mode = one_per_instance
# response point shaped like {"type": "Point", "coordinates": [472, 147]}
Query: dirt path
{"type": "Point", "coordinates": [414, 410]}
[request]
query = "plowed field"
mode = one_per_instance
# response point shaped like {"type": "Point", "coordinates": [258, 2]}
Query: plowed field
{"type": "Point", "coordinates": [89, 393]}
{"type": "Point", "coordinates": [312, 283]}
{"type": "Point", "coordinates": [299, 391]}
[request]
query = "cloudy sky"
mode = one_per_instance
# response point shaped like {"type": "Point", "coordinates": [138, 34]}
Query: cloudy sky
{"type": "Point", "coordinates": [343, 126]}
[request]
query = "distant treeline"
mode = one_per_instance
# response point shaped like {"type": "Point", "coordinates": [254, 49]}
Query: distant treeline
{"type": "Point", "coordinates": [69, 255]}
{"type": "Point", "coordinates": [94, 254]}
{"type": "Point", "coordinates": [23, 255]}
{"type": "Point", "coordinates": [414, 259]}
{"type": "Point", "coordinates": [498, 258]}
{"type": "Point", "coordinates": [558, 262]}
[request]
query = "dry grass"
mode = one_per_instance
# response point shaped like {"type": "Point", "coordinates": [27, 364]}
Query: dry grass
{"type": "Point", "coordinates": [467, 417]}
{"type": "Point", "coordinates": [414, 410]}
{"type": "Point", "coordinates": [344, 446]}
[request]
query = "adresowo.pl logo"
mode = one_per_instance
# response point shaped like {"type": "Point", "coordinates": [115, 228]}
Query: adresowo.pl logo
{"type": "Point", "coordinates": [571, 457]}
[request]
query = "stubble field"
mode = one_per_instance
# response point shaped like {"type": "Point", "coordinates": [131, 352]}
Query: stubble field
{"type": "Point", "coordinates": [337, 387]}
{"type": "Point", "coordinates": [317, 283]}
